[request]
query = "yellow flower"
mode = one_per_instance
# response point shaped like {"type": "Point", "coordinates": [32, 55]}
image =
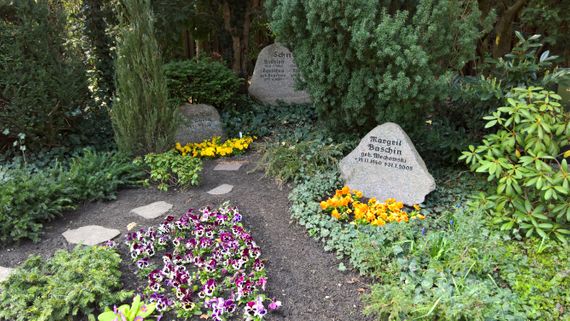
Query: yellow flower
{"type": "Point", "coordinates": [378, 222]}
{"type": "Point", "coordinates": [335, 214]}
{"type": "Point", "coordinates": [360, 210]}
{"type": "Point", "coordinates": [417, 207]}
{"type": "Point", "coordinates": [324, 205]}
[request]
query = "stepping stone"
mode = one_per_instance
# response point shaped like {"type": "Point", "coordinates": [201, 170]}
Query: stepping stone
{"type": "Point", "coordinates": [222, 189]}
{"type": "Point", "coordinates": [90, 235]}
{"type": "Point", "coordinates": [229, 166]}
{"type": "Point", "coordinates": [5, 273]}
{"type": "Point", "coordinates": [152, 210]}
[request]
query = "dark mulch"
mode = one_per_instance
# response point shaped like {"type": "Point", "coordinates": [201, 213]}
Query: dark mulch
{"type": "Point", "coordinates": [301, 274]}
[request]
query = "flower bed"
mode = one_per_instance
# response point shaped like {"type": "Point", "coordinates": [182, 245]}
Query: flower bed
{"type": "Point", "coordinates": [347, 202]}
{"type": "Point", "coordinates": [211, 266]}
{"type": "Point", "coordinates": [215, 147]}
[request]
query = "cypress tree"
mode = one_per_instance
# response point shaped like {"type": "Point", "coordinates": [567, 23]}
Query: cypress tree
{"type": "Point", "coordinates": [143, 119]}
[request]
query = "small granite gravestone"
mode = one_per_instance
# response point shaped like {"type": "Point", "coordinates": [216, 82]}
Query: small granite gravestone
{"type": "Point", "coordinates": [386, 165]}
{"type": "Point", "coordinates": [199, 122]}
{"type": "Point", "coordinates": [274, 77]}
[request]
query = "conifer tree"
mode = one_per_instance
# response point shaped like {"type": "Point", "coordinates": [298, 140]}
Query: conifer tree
{"type": "Point", "coordinates": [143, 119]}
{"type": "Point", "coordinates": [368, 61]}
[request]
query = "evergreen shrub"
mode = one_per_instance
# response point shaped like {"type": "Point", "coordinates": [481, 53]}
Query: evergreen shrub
{"type": "Point", "coordinates": [202, 81]}
{"type": "Point", "coordinates": [43, 85]}
{"type": "Point", "coordinates": [143, 118]}
{"type": "Point", "coordinates": [365, 62]}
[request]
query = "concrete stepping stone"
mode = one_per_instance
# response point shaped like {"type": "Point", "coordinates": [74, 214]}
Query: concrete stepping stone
{"type": "Point", "coordinates": [229, 166]}
{"type": "Point", "coordinates": [90, 235]}
{"type": "Point", "coordinates": [153, 210]}
{"type": "Point", "coordinates": [5, 273]}
{"type": "Point", "coordinates": [222, 189]}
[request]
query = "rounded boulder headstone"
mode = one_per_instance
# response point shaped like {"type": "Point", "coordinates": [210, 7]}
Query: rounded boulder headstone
{"type": "Point", "coordinates": [274, 75]}
{"type": "Point", "coordinates": [386, 165]}
{"type": "Point", "coordinates": [199, 122]}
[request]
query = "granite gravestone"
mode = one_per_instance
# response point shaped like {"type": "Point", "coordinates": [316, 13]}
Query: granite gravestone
{"type": "Point", "coordinates": [386, 165]}
{"type": "Point", "coordinates": [274, 77]}
{"type": "Point", "coordinates": [199, 122]}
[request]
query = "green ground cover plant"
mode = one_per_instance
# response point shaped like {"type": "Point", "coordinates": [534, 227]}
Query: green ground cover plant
{"type": "Point", "coordinates": [288, 161]}
{"type": "Point", "coordinates": [171, 169]}
{"type": "Point", "coordinates": [450, 266]}
{"type": "Point", "coordinates": [31, 196]}
{"type": "Point", "coordinates": [70, 284]}
{"type": "Point", "coordinates": [266, 120]}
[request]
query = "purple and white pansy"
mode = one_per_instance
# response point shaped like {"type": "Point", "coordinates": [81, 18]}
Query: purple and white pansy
{"type": "Point", "coordinates": [209, 265]}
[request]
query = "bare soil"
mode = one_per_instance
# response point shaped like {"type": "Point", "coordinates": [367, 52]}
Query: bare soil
{"type": "Point", "coordinates": [301, 274]}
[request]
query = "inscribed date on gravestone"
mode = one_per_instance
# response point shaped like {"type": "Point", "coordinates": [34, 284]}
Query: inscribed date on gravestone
{"type": "Point", "coordinates": [386, 164]}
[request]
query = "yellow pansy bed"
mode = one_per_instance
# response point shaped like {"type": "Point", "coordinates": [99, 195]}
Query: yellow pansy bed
{"type": "Point", "coordinates": [346, 205]}
{"type": "Point", "coordinates": [215, 147]}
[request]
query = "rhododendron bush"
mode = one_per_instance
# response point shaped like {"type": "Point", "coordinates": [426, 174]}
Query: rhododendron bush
{"type": "Point", "coordinates": [209, 266]}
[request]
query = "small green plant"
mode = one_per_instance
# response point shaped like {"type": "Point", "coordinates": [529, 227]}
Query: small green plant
{"type": "Point", "coordinates": [293, 162]}
{"type": "Point", "coordinates": [523, 161]}
{"type": "Point", "coordinates": [68, 285]}
{"type": "Point", "coordinates": [138, 311]}
{"type": "Point", "coordinates": [30, 196]}
{"type": "Point", "coordinates": [202, 81]}
{"type": "Point", "coordinates": [171, 169]}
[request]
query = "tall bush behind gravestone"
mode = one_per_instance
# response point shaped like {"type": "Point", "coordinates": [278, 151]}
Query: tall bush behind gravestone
{"type": "Point", "coordinates": [366, 62]}
{"type": "Point", "coordinates": [143, 119]}
{"type": "Point", "coordinates": [43, 87]}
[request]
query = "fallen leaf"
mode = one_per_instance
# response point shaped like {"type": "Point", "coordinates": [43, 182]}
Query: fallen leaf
{"type": "Point", "coordinates": [131, 226]}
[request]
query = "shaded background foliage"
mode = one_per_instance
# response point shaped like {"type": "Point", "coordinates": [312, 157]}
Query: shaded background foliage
{"type": "Point", "coordinates": [43, 86]}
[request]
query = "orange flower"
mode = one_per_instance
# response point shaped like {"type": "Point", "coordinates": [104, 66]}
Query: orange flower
{"type": "Point", "coordinates": [345, 190]}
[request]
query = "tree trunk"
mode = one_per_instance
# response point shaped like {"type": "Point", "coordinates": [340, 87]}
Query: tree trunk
{"type": "Point", "coordinates": [504, 29]}
{"type": "Point", "coordinates": [236, 40]}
